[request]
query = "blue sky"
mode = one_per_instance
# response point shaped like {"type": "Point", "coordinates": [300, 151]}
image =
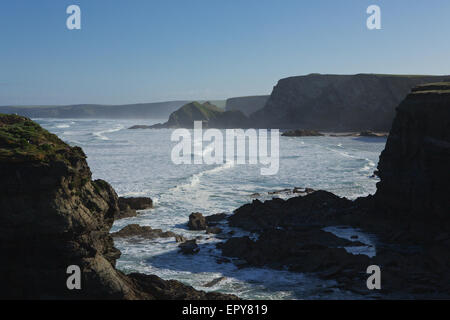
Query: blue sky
{"type": "Point", "coordinates": [131, 51]}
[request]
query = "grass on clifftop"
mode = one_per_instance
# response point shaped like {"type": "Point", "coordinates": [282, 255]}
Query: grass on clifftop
{"type": "Point", "coordinates": [195, 111]}
{"type": "Point", "coordinates": [436, 87]}
{"type": "Point", "coordinates": [21, 140]}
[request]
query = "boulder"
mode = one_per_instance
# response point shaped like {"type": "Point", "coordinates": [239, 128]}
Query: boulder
{"type": "Point", "coordinates": [137, 203]}
{"type": "Point", "coordinates": [214, 282]}
{"type": "Point", "coordinates": [197, 221]}
{"type": "Point", "coordinates": [213, 230]}
{"type": "Point", "coordinates": [139, 126]}
{"type": "Point", "coordinates": [179, 238]}
{"type": "Point", "coordinates": [215, 218]}
{"type": "Point", "coordinates": [302, 133]}
{"type": "Point", "coordinates": [135, 230]}
{"type": "Point", "coordinates": [189, 247]}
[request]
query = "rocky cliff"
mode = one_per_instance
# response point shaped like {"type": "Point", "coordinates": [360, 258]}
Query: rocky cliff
{"type": "Point", "coordinates": [52, 216]}
{"type": "Point", "coordinates": [210, 115]}
{"type": "Point", "coordinates": [246, 105]}
{"type": "Point", "coordinates": [337, 102]}
{"type": "Point", "coordinates": [414, 166]}
{"type": "Point", "coordinates": [408, 216]}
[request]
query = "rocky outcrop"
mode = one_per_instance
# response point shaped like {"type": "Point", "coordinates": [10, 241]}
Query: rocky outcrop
{"type": "Point", "coordinates": [189, 247]}
{"type": "Point", "coordinates": [137, 203]}
{"type": "Point", "coordinates": [371, 134]}
{"type": "Point", "coordinates": [337, 102]}
{"type": "Point", "coordinates": [247, 105]}
{"type": "Point", "coordinates": [146, 232]}
{"type": "Point", "coordinates": [302, 133]}
{"type": "Point", "coordinates": [197, 221]}
{"type": "Point", "coordinates": [414, 166]}
{"type": "Point", "coordinates": [140, 126]}
{"type": "Point", "coordinates": [210, 115]}
{"type": "Point", "coordinates": [318, 208]}
{"type": "Point", "coordinates": [54, 216]}
{"type": "Point", "coordinates": [408, 214]}
{"type": "Point", "coordinates": [129, 206]}
{"type": "Point", "coordinates": [215, 218]}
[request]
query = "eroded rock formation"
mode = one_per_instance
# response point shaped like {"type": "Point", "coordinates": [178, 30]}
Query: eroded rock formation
{"type": "Point", "coordinates": [53, 216]}
{"type": "Point", "coordinates": [409, 214]}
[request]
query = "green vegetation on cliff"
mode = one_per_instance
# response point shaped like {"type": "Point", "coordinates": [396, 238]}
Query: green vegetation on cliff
{"type": "Point", "coordinates": [24, 140]}
{"type": "Point", "coordinates": [194, 111]}
{"type": "Point", "coordinates": [437, 87]}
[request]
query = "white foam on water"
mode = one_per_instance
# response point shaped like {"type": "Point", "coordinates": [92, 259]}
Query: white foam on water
{"type": "Point", "coordinates": [137, 163]}
{"type": "Point", "coordinates": [348, 233]}
{"type": "Point", "coordinates": [61, 126]}
{"type": "Point", "coordinates": [101, 134]}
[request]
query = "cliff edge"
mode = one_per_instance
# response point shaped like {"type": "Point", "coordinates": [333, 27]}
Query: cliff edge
{"type": "Point", "coordinates": [414, 166]}
{"type": "Point", "coordinates": [338, 102]}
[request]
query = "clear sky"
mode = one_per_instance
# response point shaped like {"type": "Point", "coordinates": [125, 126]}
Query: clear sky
{"type": "Point", "coordinates": [131, 51]}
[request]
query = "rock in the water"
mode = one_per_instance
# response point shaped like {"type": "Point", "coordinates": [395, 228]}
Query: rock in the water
{"type": "Point", "coordinates": [189, 247]}
{"type": "Point", "coordinates": [128, 206]}
{"type": "Point", "coordinates": [319, 207]}
{"type": "Point", "coordinates": [213, 230]}
{"type": "Point", "coordinates": [124, 211]}
{"type": "Point", "coordinates": [179, 238]}
{"type": "Point", "coordinates": [135, 230]}
{"type": "Point", "coordinates": [173, 290]}
{"type": "Point", "coordinates": [137, 203]}
{"type": "Point", "coordinates": [215, 218]}
{"type": "Point", "coordinates": [139, 126]}
{"type": "Point", "coordinates": [214, 282]}
{"type": "Point", "coordinates": [197, 221]}
{"type": "Point", "coordinates": [302, 133]}
{"type": "Point", "coordinates": [371, 134]}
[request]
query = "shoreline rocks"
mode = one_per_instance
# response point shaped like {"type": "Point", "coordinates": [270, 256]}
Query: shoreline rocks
{"type": "Point", "coordinates": [189, 247]}
{"type": "Point", "coordinates": [128, 207]}
{"type": "Point", "coordinates": [135, 230]}
{"type": "Point", "coordinates": [54, 216]}
{"type": "Point", "coordinates": [408, 214]}
{"type": "Point", "coordinates": [197, 221]}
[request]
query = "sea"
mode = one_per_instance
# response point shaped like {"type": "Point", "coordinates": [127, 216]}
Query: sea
{"type": "Point", "coordinates": [139, 163]}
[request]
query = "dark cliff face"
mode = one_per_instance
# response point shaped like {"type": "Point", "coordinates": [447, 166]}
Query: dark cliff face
{"type": "Point", "coordinates": [337, 102]}
{"type": "Point", "coordinates": [246, 105]}
{"type": "Point", "coordinates": [52, 215]}
{"type": "Point", "coordinates": [414, 167]}
{"type": "Point", "coordinates": [210, 115]}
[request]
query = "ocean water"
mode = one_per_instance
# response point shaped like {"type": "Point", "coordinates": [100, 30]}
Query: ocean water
{"type": "Point", "coordinates": [138, 163]}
